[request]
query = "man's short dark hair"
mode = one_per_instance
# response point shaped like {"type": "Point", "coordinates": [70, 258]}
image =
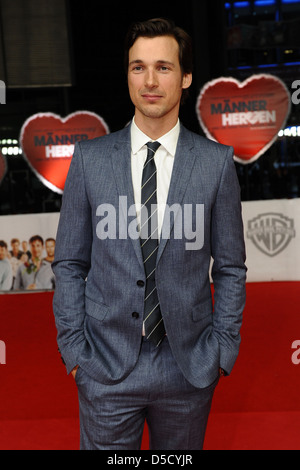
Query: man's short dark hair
{"type": "Point", "coordinates": [3, 244]}
{"type": "Point", "coordinates": [161, 27]}
{"type": "Point", "coordinates": [36, 238]}
{"type": "Point", "coordinates": [50, 240]}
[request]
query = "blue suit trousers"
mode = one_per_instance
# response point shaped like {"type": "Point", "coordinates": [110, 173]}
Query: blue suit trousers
{"type": "Point", "coordinates": [156, 391]}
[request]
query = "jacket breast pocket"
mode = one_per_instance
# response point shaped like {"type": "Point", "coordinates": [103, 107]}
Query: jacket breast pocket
{"type": "Point", "coordinates": [95, 309]}
{"type": "Point", "coordinates": [202, 310]}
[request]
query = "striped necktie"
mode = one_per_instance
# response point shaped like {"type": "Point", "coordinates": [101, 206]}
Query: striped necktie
{"type": "Point", "coordinates": [153, 322]}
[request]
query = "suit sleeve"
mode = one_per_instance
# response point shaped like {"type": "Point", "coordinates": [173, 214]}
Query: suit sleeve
{"type": "Point", "coordinates": [228, 270]}
{"type": "Point", "coordinates": [72, 263]}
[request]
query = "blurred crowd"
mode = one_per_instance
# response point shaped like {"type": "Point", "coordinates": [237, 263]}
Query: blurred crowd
{"type": "Point", "coordinates": [27, 264]}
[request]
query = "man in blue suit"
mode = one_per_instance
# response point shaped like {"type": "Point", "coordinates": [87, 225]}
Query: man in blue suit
{"type": "Point", "coordinates": [134, 311]}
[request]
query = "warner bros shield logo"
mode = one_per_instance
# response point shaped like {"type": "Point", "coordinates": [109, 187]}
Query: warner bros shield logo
{"type": "Point", "coordinates": [271, 233]}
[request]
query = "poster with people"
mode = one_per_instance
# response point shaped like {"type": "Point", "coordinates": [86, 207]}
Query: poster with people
{"type": "Point", "coordinates": [27, 248]}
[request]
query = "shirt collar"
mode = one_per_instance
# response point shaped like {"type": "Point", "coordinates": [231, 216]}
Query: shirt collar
{"type": "Point", "coordinates": [168, 141]}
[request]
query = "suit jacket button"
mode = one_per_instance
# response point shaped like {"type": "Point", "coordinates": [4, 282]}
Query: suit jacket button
{"type": "Point", "coordinates": [140, 283]}
{"type": "Point", "coordinates": [135, 315]}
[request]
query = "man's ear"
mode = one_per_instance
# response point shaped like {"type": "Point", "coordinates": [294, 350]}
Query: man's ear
{"type": "Point", "coordinates": [187, 80]}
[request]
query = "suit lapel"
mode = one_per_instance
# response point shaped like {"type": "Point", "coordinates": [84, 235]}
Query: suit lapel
{"type": "Point", "coordinates": [183, 165]}
{"type": "Point", "coordinates": [121, 162]}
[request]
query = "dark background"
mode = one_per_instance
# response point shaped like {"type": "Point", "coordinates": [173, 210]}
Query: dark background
{"type": "Point", "coordinates": [87, 73]}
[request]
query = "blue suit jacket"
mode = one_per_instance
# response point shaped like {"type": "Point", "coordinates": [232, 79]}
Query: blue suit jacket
{"type": "Point", "coordinates": [98, 301]}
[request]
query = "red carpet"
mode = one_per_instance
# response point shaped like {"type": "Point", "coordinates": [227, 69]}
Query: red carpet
{"type": "Point", "coordinates": [257, 407]}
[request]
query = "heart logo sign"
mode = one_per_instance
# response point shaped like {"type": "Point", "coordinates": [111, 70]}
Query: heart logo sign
{"type": "Point", "coordinates": [3, 167]}
{"type": "Point", "coordinates": [48, 143]}
{"type": "Point", "coordinates": [246, 115]}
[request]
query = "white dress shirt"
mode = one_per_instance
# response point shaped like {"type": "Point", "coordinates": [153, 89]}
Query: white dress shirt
{"type": "Point", "coordinates": [164, 160]}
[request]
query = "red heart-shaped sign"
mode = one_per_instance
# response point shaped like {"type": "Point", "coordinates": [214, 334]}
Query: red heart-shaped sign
{"type": "Point", "coordinates": [3, 167]}
{"type": "Point", "coordinates": [247, 115]}
{"type": "Point", "coordinates": [48, 143]}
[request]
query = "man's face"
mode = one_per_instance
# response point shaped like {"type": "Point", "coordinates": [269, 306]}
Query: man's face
{"type": "Point", "coordinates": [50, 248]}
{"type": "Point", "coordinates": [36, 249]}
{"type": "Point", "coordinates": [15, 247]}
{"type": "Point", "coordinates": [155, 78]}
{"type": "Point", "coordinates": [3, 252]}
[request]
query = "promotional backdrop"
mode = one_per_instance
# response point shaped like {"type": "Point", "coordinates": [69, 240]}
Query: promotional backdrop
{"type": "Point", "coordinates": [247, 116]}
{"type": "Point", "coordinates": [271, 229]}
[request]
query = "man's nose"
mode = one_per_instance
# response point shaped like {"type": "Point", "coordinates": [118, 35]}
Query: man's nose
{"type": "Point", "coordinates": [151, 79]}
